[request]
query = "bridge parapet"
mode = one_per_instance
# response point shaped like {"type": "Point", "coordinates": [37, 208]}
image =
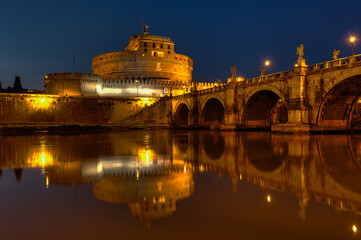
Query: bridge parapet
{"type": "Point", "coordinates": [267, 78]}
{"type": "Point", "coordinates": [334, 63]}
{"type": "Point", "coordinates": [215, 89]}
{"type": "Point", "coordinates": [178, 97]}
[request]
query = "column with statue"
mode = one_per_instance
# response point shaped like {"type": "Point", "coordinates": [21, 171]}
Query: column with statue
{"type": "Point", "coordinates": [231, 117]}
{"type": "Point", "coordinates": [298, 107]}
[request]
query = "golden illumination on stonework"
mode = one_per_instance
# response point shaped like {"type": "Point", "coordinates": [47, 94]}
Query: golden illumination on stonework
{"type": "Point", "coordinates": [146, 155]}
{"type": "Point", "coordinates": [40, 102]}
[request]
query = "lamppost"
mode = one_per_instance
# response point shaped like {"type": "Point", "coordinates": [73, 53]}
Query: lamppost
{"type": "Point", "coordinates": [267, 64]}
{"type": "Point", "coordinates": [352, 40]}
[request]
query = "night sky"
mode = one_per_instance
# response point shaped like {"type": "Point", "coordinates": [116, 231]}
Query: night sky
{"type": "Point", "coordinates": [40, 37]}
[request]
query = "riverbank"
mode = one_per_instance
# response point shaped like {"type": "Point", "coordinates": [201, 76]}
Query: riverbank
{"type": "Point", "coordinates": [65, 128]}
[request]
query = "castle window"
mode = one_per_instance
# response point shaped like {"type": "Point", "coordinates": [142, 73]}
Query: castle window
{"type": "Point", "coordinates": [161, 46]}
{"type": "Point", "coordinates": [158, 67]}
{"type": "Point", "coordinates": [168, 46]}
{"type": "Point", "coordinates": [168, 52]}
{"type": "Point", "coordinates": [145, 44]}
{"type": "Point", "coordinates": [145, 50]}
{"type": "Point", "coordinates": [154, 45]}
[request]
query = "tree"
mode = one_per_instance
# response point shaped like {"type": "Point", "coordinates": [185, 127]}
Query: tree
{"type": "Point", "coordinates": [17, 85]}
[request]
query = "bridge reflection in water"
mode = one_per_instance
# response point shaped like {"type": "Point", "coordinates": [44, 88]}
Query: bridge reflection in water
{"type": "Point", "coordinates": [139, 169]}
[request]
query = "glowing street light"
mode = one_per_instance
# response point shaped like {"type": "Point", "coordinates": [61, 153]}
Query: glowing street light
{"type": "Point", "coordinates": [268, 198]}
{"type": "Point", "coordinates": [267, 64]}
{"type": "Point", "coordinates": [352, 40]}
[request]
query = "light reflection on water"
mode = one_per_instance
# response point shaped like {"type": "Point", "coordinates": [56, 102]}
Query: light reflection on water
{"type": "Point", "coordinates": [225, 183]}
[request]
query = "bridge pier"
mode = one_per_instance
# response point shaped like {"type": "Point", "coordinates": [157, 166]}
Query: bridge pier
{"type": "Point", "coordinates": [231, 114]}
{"type": "Point", "coordinates": [298, 119]}
{"type": "Point", "coordinates": [298, 103]}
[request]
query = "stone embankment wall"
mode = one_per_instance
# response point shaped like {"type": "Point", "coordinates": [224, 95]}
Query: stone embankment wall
{"type": "Point", "coordinates": [156, 115]}
{"type": "Point", "coordinates": [36, 108]}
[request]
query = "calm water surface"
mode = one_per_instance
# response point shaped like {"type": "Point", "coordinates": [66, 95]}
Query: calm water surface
{"type": "Point", "coordinates": [180, 185]}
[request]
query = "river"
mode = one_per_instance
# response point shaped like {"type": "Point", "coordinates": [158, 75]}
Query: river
{"type": "Point", "coordinates": [161, 184]}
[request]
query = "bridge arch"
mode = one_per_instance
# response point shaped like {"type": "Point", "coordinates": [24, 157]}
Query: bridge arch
{"type": "Point", "coordinates": [213, 144]}
{"type": "Point", "coordinates": [336, 108]}
{"type": "Point", "coordinates": [265, 152]}
{"type": "Point", "coordinates": [182, 114]}
{"type": "Point", "coordinates": [264, 107]}
{"type": "Point", "coordinates": [332, 149]}
{"type": "Point", "coordinates": [212, 112]}
{"type": "Point", "coordinates": [182, 141]}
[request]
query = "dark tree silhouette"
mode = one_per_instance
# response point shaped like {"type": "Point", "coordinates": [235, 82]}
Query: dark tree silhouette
{"type": "Point", "coordinates": [17, 85]}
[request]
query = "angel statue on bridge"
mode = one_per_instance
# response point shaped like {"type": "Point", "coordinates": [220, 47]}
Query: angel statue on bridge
{"type": "Point", "coordinates": [300, 51]}
{"type": "Point", "coordinates": [335, 54]}
{"type": "Point", "coordinates": [194, 84]}
{"type": "Point", "coordinates": [233, 70]}
{"type": "Point", "coordinates": [263, 71]}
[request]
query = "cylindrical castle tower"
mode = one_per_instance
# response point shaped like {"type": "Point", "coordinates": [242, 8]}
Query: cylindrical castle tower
{"type": "Point", "coordinates": [146, 57]}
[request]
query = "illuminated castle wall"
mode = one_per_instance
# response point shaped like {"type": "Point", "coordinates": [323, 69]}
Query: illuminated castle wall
{"type": "Point", "coordinates": [148, 67]}
{"type": "Point", "coordinates": [74, 84]}
{"type": "Point", "coordinates": [146, 56]}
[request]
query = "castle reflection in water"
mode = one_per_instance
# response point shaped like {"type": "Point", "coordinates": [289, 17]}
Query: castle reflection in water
{"type": "Point", "coordinates": [151, 170]}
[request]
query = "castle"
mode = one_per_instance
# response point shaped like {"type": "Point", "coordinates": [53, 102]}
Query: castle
{"type": "Point", "coordinates": [149, 67]}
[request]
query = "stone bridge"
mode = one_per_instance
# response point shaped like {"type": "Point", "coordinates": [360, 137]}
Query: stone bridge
{"type": "Point", "coordinates": [319, 97]}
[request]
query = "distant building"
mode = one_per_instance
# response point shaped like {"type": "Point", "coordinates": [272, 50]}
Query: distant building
{"type": "Point", "coordinates": [148, 67]}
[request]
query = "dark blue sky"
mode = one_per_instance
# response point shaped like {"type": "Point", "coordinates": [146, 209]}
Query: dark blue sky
{"type": "Point", "coordinates": [39, 37]}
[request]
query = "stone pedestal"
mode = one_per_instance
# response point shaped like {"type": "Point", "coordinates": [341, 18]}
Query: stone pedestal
{"type": "Point", "coordinates": [301, 62]}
